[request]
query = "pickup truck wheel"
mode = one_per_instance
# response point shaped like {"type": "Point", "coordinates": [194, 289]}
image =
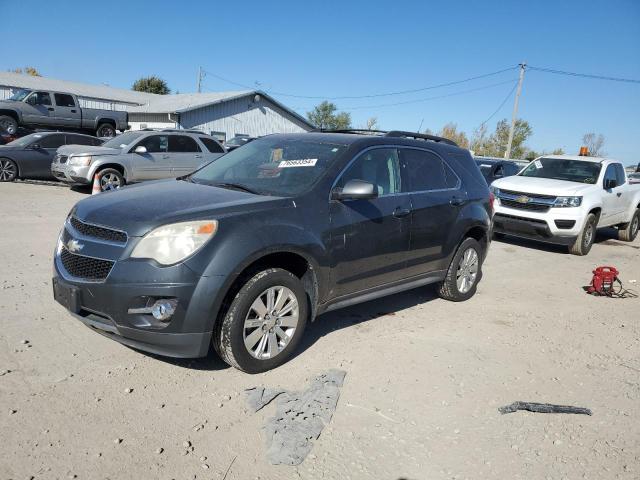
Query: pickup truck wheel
{"type": "Point", "coordinates": [9, 124]}
{"type": "Point", "coordinates": [585, 240]}
{"type": "Point", "coordinates": [629, 233]}
{"type": "Point", "coordinates": [110, 179]}
{"type": "Point", "coordinates": [264, 323]}
{"type": "Point", "coordinates": [106, 130]}
{"type": "Point", "coordinates": [464, 273]}
{"type": "Point", "coordinates": [8, 170]}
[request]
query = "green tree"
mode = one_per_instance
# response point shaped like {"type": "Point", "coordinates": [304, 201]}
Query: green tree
{"type": "Point", "coordinates": [324, 117]}
{"type": "Point", "coordinates": [151, 84]}
{"type": "Point", "coordinates": [450, 131]}
{"type": "Point", "coordinates": [27, 71]}
{"type": "Point", "coordinates": [594, 143]}
{"type": "Point", "coordinates": [497, 142]}
{"type": "Point", "coordinates": [480, 141]}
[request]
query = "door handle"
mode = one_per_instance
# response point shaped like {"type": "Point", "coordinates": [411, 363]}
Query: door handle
{"type": "Point", "coordinates": [51, 109]}
{"type": "Point", "coordinates": [455, 201]}
{"type": "Point", "coordinates": [198, 156]}
{"type": "Point", "coordinates": [73, 111]}
{"type": "Point", "coordinates": [401, 212]}
{"type": "Point", "coordinates": [165, 156]}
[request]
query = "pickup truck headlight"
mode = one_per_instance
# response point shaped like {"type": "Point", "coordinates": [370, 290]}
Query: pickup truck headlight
{"type": "Point", "coordinates": [80, 161]}
{"type": "Point", "coordinates": [172, 243]}
{"type": "Point", "coordinates": [494, 190]}
{"type": "Point", "coordinates": [568, 202]}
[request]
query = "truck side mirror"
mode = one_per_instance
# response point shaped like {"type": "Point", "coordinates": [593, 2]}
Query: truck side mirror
{"type": "Point", "coordinates": [141, 149]}
{"type": "Point", "coordinates": [610, 183]}
{"type": "Point", "coordinates": [355, 190]}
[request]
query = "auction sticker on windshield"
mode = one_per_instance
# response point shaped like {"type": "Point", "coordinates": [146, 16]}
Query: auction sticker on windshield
{"type": "Point", "coordinates": [538, 164]}
{"type": "Point", "coordinates": [303, 162]}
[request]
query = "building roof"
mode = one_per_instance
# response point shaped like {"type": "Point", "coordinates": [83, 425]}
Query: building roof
{"type": "Point", "coordinates": [184, 102]}
{"type": "Point", "coordinates": [20, 80]}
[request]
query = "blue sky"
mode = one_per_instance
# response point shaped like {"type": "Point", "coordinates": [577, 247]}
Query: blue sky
{"type": "Point", "coordinates": [359, 48]}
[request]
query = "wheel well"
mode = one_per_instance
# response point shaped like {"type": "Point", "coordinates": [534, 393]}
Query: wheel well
{"type": "Point", "coordinates": [479, 234]}
{"type": "Point", "coordinates": [10, 113]}
{"type": "Point", "coordinates": [102, 121]}
{"type": "Point", "coordinates": [115, 166]}
{"type": "Point", "coordinates": [292, 262]}
{"type": "Point", "coordinates": [596, 212]}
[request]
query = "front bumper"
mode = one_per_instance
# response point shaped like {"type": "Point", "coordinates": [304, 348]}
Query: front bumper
{"type": "Point", "coordinates": [71, 174]}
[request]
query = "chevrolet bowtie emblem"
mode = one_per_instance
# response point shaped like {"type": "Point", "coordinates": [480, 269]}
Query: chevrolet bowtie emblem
{"type": "Point", "coordinates": [74, 245]}
{"type": "Point", "coordinates": [523, 199]}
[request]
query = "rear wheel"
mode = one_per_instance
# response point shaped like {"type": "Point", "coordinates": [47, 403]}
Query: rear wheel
{"type": "Point", "coordinates": [9, 124]}
{"type": "Point", "coordinates": [630, 230]}
{"type": "Point", "coordinates": [584, 242]}
{"type": "Point", "coordinates": [106, 130]}
{"type": "Point", "coordinates": [464, 273]}
{"type": "Point", "coordinates": [264, 323]}
{"type": "Point", "coordinates": [110, 179]}
{"type": "Point", "coordinates": [8, 170]}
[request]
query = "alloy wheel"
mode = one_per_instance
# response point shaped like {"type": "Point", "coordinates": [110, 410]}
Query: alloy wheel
{"type": "Point", "coordinates": [467, 270]}
{"type": "Point", "coordinates": [110, 181]}
{"type": "Point", "coordinates": [8, 171]}
{"type": "Point", "coordinates": [271, 322]}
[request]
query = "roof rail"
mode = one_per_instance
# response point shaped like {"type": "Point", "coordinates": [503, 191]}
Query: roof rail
{"type": "Point", "coordinates": [359, 131]}
{"type": "Point", "coordinates": [421, 136]}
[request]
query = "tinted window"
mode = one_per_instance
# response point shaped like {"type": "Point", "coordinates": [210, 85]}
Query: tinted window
{"type": "Point", "coordinates": [511, 169]}
{"type": "Point", "coordinates": [51, 141]}
{"type": "Point", "coordinates": [182, 144]}
{"type": "Point", "coordinates": [426, 171]}
{"type": "Point", "coordinates": [610, 174]}
{"type": "Point", "coordinates": [63, 100]}
{"type": "Point", "coordinates": [620, 174]}
{"type": "Point", "coordinates": [379, 166]}
{"type": "Point", "coordinates": [39, 98]}
{"type": "Point", "coordinates": [154, 143]}
{"type": "Point", "coordinates": [211, 145]}
{"type": "Point", "coordinates": [81, 140]}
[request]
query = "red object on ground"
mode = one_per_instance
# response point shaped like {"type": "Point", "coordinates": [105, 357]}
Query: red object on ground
{"type": "Point", "coordinates": [603, 280]}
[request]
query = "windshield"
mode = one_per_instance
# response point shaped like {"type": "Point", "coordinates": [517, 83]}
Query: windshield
{"type": "Point", "coordinates": [24, 141]}
{"type": "Point", "coordinates": [563, 169]}
{"type": "Point", "coordinates": [272, 165]}
{"type": "Point", "coordinates": [122, 140]}
{"type": "Point", "coordinates": [19, 95]}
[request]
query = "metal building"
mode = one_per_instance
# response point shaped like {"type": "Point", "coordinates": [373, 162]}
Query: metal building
{"type": "Point", "coordinates": [222, 114]}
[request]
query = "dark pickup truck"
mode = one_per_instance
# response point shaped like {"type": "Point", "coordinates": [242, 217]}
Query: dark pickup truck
{"type": "Point", "coordinates": [57, 110]}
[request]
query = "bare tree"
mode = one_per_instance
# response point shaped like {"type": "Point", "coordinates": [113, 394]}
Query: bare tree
{"type": "Point", "coordinates": [372, 123]}
{"type": "Point", "coordinates": [594, 143]}
{"type": "Point", "coordinates": [450, 131]}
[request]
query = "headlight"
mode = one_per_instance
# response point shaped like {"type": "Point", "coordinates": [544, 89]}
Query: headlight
{"type": "Point", "coordinates": [494, 190]}
{"type": "Point", "coordinates": [568, 202]}
{"type": "Point", "coordinates": [80, 161]}
{"type": "Point", "coordinates": [172, 243]}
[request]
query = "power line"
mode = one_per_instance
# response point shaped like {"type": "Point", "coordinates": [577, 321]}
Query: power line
{"type": "Point", "coordinates": [584, 75]}
{"type": "Point", "coordinates": [515, 85]}
{"type": "Point", "coordinates": [374, 95]}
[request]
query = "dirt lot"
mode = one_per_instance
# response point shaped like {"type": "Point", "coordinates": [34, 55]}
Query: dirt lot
{"type": "Point", "coordinates": [424, 377]}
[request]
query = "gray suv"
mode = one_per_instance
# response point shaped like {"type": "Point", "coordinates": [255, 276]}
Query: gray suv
{"type": "Point", "coordinates": [136, 157]}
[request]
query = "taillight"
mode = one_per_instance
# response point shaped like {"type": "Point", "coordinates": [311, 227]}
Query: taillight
{"type": "Point", "coordinates": [492, 198]}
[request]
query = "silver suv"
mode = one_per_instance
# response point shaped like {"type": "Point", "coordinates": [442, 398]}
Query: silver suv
{"type": "Point", "coordinates": [136, 157]}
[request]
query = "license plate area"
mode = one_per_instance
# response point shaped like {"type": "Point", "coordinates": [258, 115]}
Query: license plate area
{"type": "Point", "coordinates": [67, 295]}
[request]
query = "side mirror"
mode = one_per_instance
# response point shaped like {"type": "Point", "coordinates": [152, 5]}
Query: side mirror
{"type": "Point", "coordinates": [34, 146]}
{"type": "Point", "coordinates": [141, 149]}
{"type": "Point", "coordinates": [610, 183]}
{"type": "Point", "coordinates": [355, 190]}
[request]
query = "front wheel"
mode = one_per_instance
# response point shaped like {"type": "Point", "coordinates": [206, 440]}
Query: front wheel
{"type": "Point", "coordinates": [9, 124]}
{"type": "Point", "coordinates": [106, 130]}
{"type": "Point", "coordinates": [464, 273]}
{"type": "Point", "coordinates": [110, 179]}
{"type": "Point", "coordinates": [8, 170]}
{"type": "Point", "coordinates": [584, 242]}
{"type": "Point", "coordinates": [264, 323]}
{"type": "Point", "coordinates": [630, 230]}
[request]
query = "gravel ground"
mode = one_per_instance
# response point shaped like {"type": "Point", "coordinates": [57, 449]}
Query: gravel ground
{"type": "Point", "coordinates": [420, 400]}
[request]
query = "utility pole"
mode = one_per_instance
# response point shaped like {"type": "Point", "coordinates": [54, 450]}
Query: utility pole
{"type": "Point", "coordinates": [200, 76]}
{"type": "Point", "coordinates": [514, 115]}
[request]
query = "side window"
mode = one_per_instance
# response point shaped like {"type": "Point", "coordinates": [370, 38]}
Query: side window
{"type": "Point", "coordinates": [379, 166]}
{"type": "Point", "coordinates": [64, 100]}
{"type": "Point", "coordinates": [39, 98]}
{"type": "Point", "coordinates": [211, 145]}
{"type": "Point", "coordinates": [79, 140]}
{"type": "Point", "coordinates": [182, 144]}
{"type": "Point", "coordinates": [51, 141]}
{"type": "Point", "coordinates": [610, 174]}
{"type": "Point", "coordinates": [153, 143]}
{"type": "Point", "coordinates": [426, 171]}
{"type": "Point", "coordinates": [620, 174]}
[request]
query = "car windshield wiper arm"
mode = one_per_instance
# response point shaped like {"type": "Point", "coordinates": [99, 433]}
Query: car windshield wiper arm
{"type": "Point", "coordinates": [236, 186]}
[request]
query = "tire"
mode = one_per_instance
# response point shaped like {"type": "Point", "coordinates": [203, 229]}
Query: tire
{"type": "Point", "coordinates": [110, 179]}
{"type": "Point", "coordinates": [244, 345]}
{"type": "Point", "coordinates": [9, 124]}
{"type": "Point", "coordinates": [106, 130]}
{"type": "Point", "coordinates": [630, 230]}
{"type": "Point", "coordinates": [585, 240]}
{"type": "Point", "coordinates": [466, 264]}
{"type": "Point", "coordinates": [8, 170]}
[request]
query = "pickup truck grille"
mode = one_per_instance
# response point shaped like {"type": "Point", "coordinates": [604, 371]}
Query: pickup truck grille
{"type": "Point", "coordinates": [526, 201]}
{"type": "Point", "coordinates": [96, 231]}
{"type": "Point", "coordinates": [87, 268]}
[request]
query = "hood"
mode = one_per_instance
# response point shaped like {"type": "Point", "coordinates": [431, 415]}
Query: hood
{"type": "Point", "coordinates": [140, 208]}
{"type": "Point", "coordinates": [543, 186]}
{"type": "Point", "coordinates": [88, 149]}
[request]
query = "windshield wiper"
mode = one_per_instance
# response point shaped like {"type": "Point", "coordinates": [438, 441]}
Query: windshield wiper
{"type": "Point", "coordinates": [236, 186]}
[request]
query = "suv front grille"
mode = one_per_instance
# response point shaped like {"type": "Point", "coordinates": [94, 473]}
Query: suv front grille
{"type": "Point", "coordinates": [536, 207]}
{"type": "Point", "coordinates": [98, 232]}
{"type": "Point", "coordinates": [88, 268]}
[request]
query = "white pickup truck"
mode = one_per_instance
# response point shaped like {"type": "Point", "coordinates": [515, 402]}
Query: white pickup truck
{"type": "Point", "coordinates": [563, 199]}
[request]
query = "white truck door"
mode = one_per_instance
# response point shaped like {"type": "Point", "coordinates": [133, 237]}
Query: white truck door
{"type": "Point", "coordinates": [613, 200]}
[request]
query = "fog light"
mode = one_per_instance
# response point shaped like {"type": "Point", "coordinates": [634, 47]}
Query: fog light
{"type": "Point", "coordinates": [164, 309]}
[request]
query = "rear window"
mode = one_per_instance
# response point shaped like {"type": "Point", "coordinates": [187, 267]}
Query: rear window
{"type": "Point", "coordinates": [426, 171]}
{"type": "Point", "coordinates": [212, 145]}
{"type": "Point", "coordinates": [82, 140]}
{"type": "Point", "coordinates": [182, 144]}
{"type": "Point", "coordinates": [63, 100]}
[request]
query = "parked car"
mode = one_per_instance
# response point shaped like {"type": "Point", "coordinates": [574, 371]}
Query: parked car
{"type": "Point", "coordinates": [634, 177]}
{"type": "Point", "coordinates": [249, 249]}
{"type": "Point", "coordinates": [494, 168]}
{"type": "Point", "coordinates": [136, 156]}
{"type": "Point", "coordinates": [48, 109]}
{"type": "Point", "coordinates": [238, 141]}
{"type": "Point", "coordinates": [31, 156]}
{"type": "Point", "coordinates": [563, 199]}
